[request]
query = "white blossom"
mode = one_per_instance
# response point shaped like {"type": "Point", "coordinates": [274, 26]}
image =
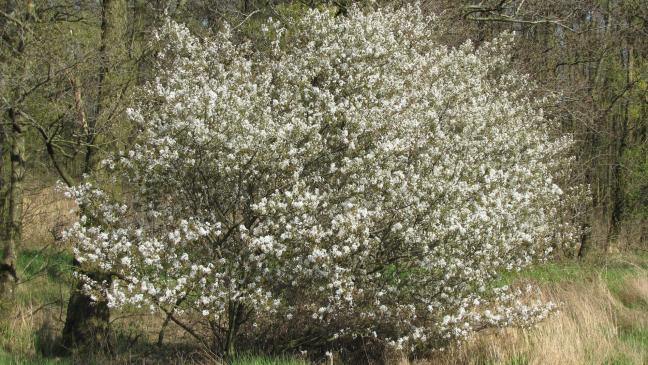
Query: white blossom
{"type": "Point", "coordinates": [356, 171]}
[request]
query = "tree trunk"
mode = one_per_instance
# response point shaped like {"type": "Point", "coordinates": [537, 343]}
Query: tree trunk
{"type": "Point", "coordinates": [4, 186]}
{"type": "Point", "coordinates": [583, 248]}
{"type": "Point", "coordinates": [620, 132]}
{"type": "Point", "coordinates": [87, 324]}
{"type": "Point", "coordinates": [616, 193]}
{"type": "Point", "coordinates": [112, 52]}
{"type": "Point", "coordinates": [87, 321]}
{"type": "Point", "coordinates": [235, 319]}
{"type": "Point", "coordinates": [12, 195]}
{"type": "Point", "coordinates": [13, 228]}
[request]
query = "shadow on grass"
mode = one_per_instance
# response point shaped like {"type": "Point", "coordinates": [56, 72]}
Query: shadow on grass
{"type": "Point", "coordinates": [21, 359]}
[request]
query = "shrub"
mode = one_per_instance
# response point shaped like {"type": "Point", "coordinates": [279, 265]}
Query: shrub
{"type": "Point", "coordinates": [351, 170]}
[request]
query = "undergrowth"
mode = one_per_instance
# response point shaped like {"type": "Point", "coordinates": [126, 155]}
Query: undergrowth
{"type": "Point", "coordinates": [603, 319]}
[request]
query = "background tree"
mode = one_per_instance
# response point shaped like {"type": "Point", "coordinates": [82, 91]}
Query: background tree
{"type": "Point", "coordinates": [16, 20]}
{"type": "Point", "coordinates": [591, 52]}
{"type": "Point", "coordinates": [87, 319]}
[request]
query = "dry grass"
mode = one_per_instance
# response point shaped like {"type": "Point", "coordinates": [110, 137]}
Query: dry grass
{"type": "Point", "coordinates": [585, 331]}
{"type": "Point", "coordinates": [28, 327]}
{"type": "Point", "coordinates": [634, 290]}
{"type": "Point", "coordinates": [594, 326]}
{"type": "Point", "coordinates": [46, 214]}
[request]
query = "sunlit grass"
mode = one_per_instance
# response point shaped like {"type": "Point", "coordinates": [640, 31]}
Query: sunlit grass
{"type": "Point", "coordinates": [267, 360]}
{"type": "Point", "coordinates": [636, 338]}
{"type": "Point", "coordinates": [604, 315]}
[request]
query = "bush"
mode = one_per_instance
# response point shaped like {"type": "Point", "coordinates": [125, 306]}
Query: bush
{"type": "Point", "coordinates": [354, 173]}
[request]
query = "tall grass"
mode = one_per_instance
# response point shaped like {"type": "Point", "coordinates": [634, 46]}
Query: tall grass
{"type": "Point", "coordinates": [603, 319]}
{"type": "Point", "coordinates": [46, 214]}
{"type": "Point", "coordinates": [595, 325]}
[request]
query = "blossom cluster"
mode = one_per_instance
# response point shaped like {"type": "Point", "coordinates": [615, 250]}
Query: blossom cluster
{"type": "Point", "coordinates": [350, 169]}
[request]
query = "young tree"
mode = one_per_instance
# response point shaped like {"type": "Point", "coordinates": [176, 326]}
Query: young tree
{"type": "Point", "coordinates": [352, 171]}
{"type": "Point", "coordinates": [47, 91]}
{"type": "Point", "coordinates": [87, 320]}
{"type": "Point", "coordinates": [15, 21]}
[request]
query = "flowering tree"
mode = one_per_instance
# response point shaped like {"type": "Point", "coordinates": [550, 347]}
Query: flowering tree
{"type": "Point", "coordinates": [350, 170]}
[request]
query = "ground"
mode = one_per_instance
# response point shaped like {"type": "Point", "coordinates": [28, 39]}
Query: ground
{"type": "Point", "coordinates": [602, 319]}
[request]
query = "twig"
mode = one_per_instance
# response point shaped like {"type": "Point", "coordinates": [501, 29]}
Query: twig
{"type": "Point", "coordinates": [40, 308]}
{"type": "Point", "coordinates": [505, 19]}
{"type": "Point", "coordinates": [246, 18]}
{"type": "Point", "coordinates": [13, 19]}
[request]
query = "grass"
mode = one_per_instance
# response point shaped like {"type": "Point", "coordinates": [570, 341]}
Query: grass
{"type": "Point", "coordinates": [552, 272]}
{"type": "Point", "coordinates": [267, 360]}
{"type": "Point", "coordinates": [603, 319]}
{"type": "Point", "coordinates": [636, 338]}
{"type": "Point", "coordinates": [29, 325]}
{"type": "Point", "coordinates": [10, 359]}
{"type": "Point", "coordinates": [45, 277]}
{"type": "Point", "coordinates": [613, 270]}
{"type": "Point", "coordinates": [54, 263]}
{"type": "Point", "coordinates": [13, 359]}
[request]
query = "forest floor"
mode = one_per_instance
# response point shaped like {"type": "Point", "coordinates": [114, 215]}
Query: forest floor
{"type": "Point", "coordinates": [602, 319]}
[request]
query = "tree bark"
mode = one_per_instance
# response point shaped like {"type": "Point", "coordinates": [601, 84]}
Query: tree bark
{"type": "Point", "coordinates": [87, 321]}
{"type": "Point", "coordinates": [12, 206]}
{"type": "Point", "coordinates": [4, 185]}
{"type": "Point", "coordinates": [112, 52]}
{"type": "Point", "coordinates": [620, 134]}
{"type": "Point", "coordinates": [236, 317]}
{"type": "Point", "coordinates": [87, 324]}
{"type": "Point", "coordinates": [13, 228]}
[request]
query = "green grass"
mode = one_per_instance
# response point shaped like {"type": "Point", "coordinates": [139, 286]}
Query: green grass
{"type": "Point", "coordinates": [518, 360]}
{"type": "Point", "coordinates": [555, 272]}
{"type": "Point", "coordinates": [612, 271]}
{"type": "Point", "coordinates": [44, 274]}
{"type": "Point", "coordinates": [33, 262]}
{"type": "Point", "coordinates": [16, 359]}
{"type": "Point", "coordinates": [267, 360]}
{"type": "Point", "coordinates": [619, 359]}
{"type": "Point", "coordinates": [615, 274]}
{"type": "Point", "coordinates": [636, 337]}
